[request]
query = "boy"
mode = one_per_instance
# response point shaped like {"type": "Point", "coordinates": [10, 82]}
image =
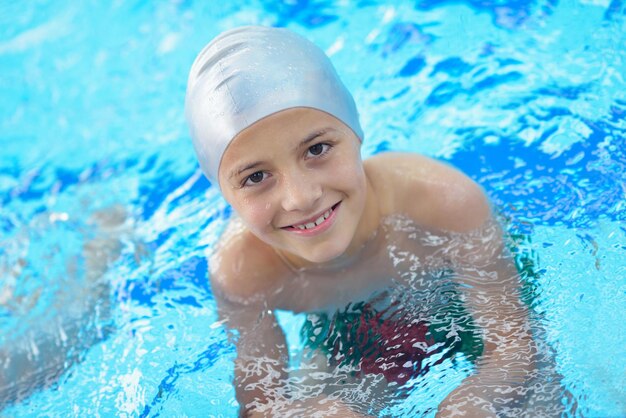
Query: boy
{"type": "Point", "coordinates": [318, 229]}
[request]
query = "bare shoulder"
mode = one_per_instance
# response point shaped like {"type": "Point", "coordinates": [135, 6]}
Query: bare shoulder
{"type": "Point", "coordinates": [431, 192]}
{"type": "Point", "coordinates": [243, 269]}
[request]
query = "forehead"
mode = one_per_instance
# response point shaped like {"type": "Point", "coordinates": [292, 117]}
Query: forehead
{"type": "Point", "coordinates": [280, 131]}
{"type": "Point", "coordinates": [288, 123]}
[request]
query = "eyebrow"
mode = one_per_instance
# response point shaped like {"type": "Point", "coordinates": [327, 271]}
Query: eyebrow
{"type": "Point", "coordinates": [309, 138]}
{"type": "Point", "coordinates": [246, 167]}
{"type": "Point", "coordinates": [314, 135]}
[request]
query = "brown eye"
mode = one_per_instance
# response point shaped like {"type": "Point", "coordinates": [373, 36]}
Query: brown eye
{"type": "Point", "coordinates": [256, 177]}
{"type": "Point", "coordinates": [316, 149]}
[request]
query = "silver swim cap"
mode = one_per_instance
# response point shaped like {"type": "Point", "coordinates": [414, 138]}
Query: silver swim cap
{"type": "Point", "coordinates": [251, 72]}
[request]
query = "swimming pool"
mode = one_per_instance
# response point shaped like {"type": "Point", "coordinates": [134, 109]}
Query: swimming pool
{"type": "Point", "coordinates": [528, 98]}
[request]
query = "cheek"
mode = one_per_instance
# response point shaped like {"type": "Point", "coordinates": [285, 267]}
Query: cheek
{"type": "Point", "coordinates": [350, 177]}
{"type": "Point", "coordinates": [256, 214]}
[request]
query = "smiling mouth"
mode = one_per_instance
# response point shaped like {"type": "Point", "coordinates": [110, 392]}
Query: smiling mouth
{"type": "Point", "coordinates": [315, 223]}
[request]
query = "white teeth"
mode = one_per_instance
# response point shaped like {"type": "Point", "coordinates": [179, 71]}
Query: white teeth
{"type": "Point", "coordinates": [318, 221]}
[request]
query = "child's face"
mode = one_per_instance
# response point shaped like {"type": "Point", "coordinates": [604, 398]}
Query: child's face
{"type": "Point", "coordinates": [296, 180]}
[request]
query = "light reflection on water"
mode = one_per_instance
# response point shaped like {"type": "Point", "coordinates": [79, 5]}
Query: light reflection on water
{"type": "Point", "coordinates": [528, 99]}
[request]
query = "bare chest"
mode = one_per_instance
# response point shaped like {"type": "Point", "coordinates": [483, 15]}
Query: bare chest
{"type": "Point", "coordinates": [395, 261]}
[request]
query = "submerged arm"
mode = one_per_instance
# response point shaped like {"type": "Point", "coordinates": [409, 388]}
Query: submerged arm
{"type": "Point", "coordinates": [260, 366]}
{"type": "Point", "coordinates": [490, 286]}
{"type": "Point", "coordinates": [261, 375]}
{"type": "Point", "coordinates": [452, 202]}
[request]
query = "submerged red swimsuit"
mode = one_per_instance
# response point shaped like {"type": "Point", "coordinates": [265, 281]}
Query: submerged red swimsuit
{"type": "Point", "coordinates": [393, 348]}
{"type": "Point", "coordinates": [375, 341]}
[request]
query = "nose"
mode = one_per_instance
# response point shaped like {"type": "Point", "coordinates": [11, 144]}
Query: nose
{"type": "Point", "coordinates": [301, 191]}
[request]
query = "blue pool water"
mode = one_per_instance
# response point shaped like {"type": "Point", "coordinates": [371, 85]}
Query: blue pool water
{"type": "Point", "coordinates": [526, 97]}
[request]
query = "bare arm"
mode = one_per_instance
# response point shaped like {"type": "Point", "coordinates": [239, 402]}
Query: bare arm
{"type": "Point", "coordinates": [245, 289]}
{"type": "Point", "coordinates": [240, 286]}
{"type": "Point", "coordinates": [450, 201]}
